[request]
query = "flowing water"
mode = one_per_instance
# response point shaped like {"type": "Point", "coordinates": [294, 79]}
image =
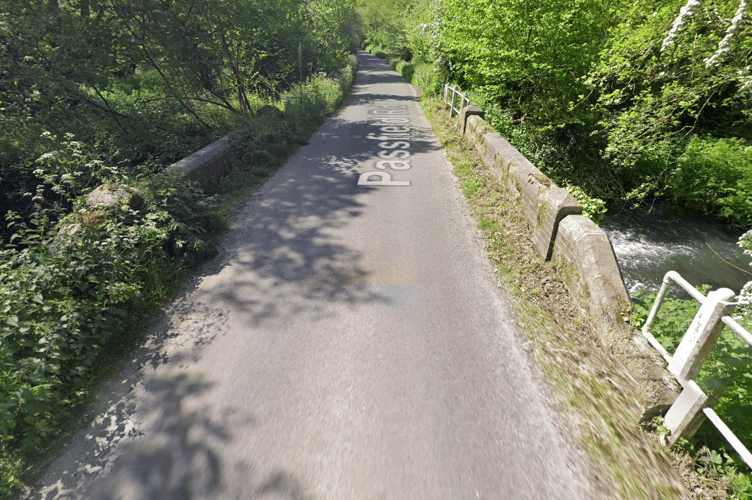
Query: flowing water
{"type": "Point", "coordinates": [648, 246]}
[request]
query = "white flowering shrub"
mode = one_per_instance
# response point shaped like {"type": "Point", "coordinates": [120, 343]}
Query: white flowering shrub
{"type": "Point", "coordinates": [723, 45]}
{"type": "Point", "coordinates": [673, 79]}
{"type": "Point", "coordinates": [684, 14]}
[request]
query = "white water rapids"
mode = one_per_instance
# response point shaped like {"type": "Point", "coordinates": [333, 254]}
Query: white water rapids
{"type": "Point", "coordinates": [647, 247]}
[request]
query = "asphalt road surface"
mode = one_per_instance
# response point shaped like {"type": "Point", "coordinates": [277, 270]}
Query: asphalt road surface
{"type": "Point", "coordinates": [350, 343]}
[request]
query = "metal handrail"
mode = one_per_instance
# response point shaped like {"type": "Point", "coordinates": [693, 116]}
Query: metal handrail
{"type": "Point", "coordinates": [737, 329]}
{"type": "Point", "coordinates": [464, 100]}
{"type": "Point", "coordinates": [685, 368]}
{"type": "Point", "coordinates": [729, 435]}
{"type": "Point", "coordinates": [671, 276]}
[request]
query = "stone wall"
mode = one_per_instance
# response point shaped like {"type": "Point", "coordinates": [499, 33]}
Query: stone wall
{"type": "Point", "coordinates": [580, 253]}
{"type": "Point", "coordinates": [578, 249]}
{"type": "Point", "coordinates": [207, 163]}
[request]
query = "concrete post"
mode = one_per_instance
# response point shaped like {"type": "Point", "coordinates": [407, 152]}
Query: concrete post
{"type": "Point", "coordinates": [685, 415]}
{"type": "Point", "coordinates": [701, 336]}
{"type": "Point", "coordinates": [467, 112]}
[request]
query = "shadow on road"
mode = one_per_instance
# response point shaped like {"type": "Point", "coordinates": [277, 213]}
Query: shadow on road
{"type": "Point", "coordinates": [287, 254]}
{"type": "Point", "coordinates": [284, 256]}
{"type": "Point", "coordinates": [177, 461]}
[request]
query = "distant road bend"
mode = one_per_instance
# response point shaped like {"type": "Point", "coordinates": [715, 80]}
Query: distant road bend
{"type": "Point", "coordinates": [351, 343]}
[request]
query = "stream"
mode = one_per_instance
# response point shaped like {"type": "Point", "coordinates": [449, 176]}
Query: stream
{"type": "Point", "coordinates": [649, 245]}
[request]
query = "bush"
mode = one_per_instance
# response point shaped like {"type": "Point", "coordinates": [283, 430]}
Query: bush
{"type": "Point", "coordinates": [72, 294]}
{"type": "Point", "coordinates": [714, 177]}
{"type": "Point", "coordinates": [405, 69]}
{"type": "Point", "coordinates": [307, 105]}
{"type": "Point", "coordinates": [592, 208]}
{"type": "Point", "coordinates": [345, 76]}
{"type": "Point", "coordinates": [427, 78]}
{"type": "Point", "coordinates": [380, 53]}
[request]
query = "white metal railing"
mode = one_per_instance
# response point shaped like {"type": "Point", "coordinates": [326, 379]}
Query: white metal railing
{"type": "Point", "coordinates": [688, 411]}
{"type": "Point", "coordinates": [452, 104]}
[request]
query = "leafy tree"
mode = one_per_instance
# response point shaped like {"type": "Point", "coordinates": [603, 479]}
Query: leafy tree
{"type": "Point", "coordinates": [383, 23]}
{"type": "Point", "coordinates": [149, 81]}
{"type": "Point", "coordinates": [609, 94]}
{"type": "Point", "coordinates": [333, 32]}
{"type": "Point", "coordinates": [400, 26]}
{"type": "Point", "coordinates": [526, 55]}
{"type": "Point", "coordinates": [667, 71]}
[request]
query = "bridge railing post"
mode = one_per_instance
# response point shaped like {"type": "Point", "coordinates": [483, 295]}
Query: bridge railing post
{"type": "Point", "coordinates": [701, 336]}
{"type": "Point", "coordinates": [693, 406]}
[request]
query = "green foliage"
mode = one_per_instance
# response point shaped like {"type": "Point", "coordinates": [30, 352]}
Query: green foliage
{"type": "Point", "coordinates": [592, 208]}
{"type": "Point", "coordinates": [71, 298]}
{"type": "Point", "coordinates": [311, 103]}
{"type": "Point", "coordinates": [307, 105]}
{"type": "Point", "coordinates": [333, 31]}
{"type": "Point", "coordinates": [527, 56]}
{"type": "Point", "coordinates": [264, 144]}
{"type": "Point", "coordinates": [719, 467]}
{"type": "Point", "coordinates": [655, 87]}
{"type": "Point", "coordinates": [405, 35]}
{"type": "Point", "coordinates": [745, 242]}
{"type": "Point", "coordinates": [385, 25]}
{"type": "Point", "coordinates": [379, 52]}
{"type": "Point", "coordinates": [610, 96]}
{"type": "Point", "coordinates": [471, 187]}
{"type": "Point", "coordinates": [143, 84]}
{"type": "Point", "coordinates": [422, 74]}
{"type": "Point", "coordinates": [714, 176]}
{"type": "Point", "coordinates": [426, 78]}
{"type": "Point", "coordinates": [665, 89]}
{"type": "Point", "coordinates": [405, 30]}
{"type": "Point", "coordinates": [405, 69]}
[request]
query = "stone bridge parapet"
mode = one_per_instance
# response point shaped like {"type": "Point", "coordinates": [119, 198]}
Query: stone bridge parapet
{"type": "Point", "coordinates": [579, 251]}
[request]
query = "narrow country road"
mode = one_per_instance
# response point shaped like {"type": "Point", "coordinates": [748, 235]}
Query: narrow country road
{"type": "Point", "coordinates": [350, 343]}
